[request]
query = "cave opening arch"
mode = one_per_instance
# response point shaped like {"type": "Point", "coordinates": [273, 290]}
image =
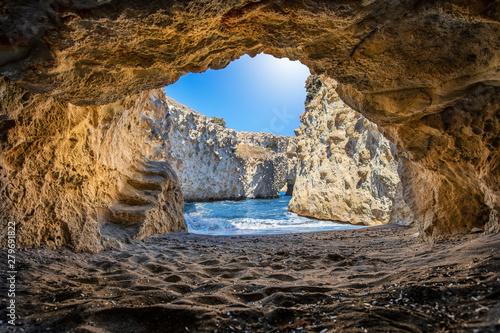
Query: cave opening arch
{"type": "Point", "coordinates": [426, 72]}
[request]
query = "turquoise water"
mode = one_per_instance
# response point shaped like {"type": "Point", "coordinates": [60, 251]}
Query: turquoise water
{"type": "Point", "coordinates": [251, 217]}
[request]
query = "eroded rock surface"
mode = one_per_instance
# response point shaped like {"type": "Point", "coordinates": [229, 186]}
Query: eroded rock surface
{"type": "Point", "coordinates": [83, 176]}
{"type": "Point", "coordinates": [217, 163]}
{"type": "Point", "coordinates": [452, 164]}
{"type": "Point", "coordinates": [347, 169]}
{"type": "Point", "coordinates": [426, 71]}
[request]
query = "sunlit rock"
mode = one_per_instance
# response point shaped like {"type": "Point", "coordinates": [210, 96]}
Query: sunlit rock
{"type": "Point", "coordinates": [217, 163]}
{"type": "Point", "coordinates": [426, 72]}
{"type": "Point", "coordinates": [85, 177]}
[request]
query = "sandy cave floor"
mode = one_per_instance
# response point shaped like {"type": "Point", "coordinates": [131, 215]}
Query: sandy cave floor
{"type": "Point", "coordinates": [381, 279]}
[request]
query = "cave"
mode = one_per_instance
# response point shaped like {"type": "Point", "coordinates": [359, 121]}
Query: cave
{"type": "Point", "coordinates": [426, 72]}
{"type": "Point", "coordinates": [289, 189]}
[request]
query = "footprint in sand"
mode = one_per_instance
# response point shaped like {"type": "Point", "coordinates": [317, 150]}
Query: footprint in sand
{"type": "Point", "coordinates": [212, 262]}
{"type": "Point", "coordinates": [157, 269]}
{"type": "Point", "coordinates": [250, 297]}
{"type": "Point", "coordinates": [123, 256]}
{"type": "Point", "coordinates": [195, 277]}
{"type": "Point", "coordinates": [226, 273]}
{"type": "Point", "coordinates": [106, 265]}
{"type": "Point", "coordinates": [280, 299]}
{"type": "Point", "coordinates": [87, 280]}
{"type": "Point", "coordinates": [209, 287]}
{"type": "Point", "coordinates": [335, 257]}
{"type": "Point", "coordinates": [281, 277]}
{"type": "Point", "coordinates": [239, 259]}
{"type": "Point", "coordinates": [180, 288]}
{"type": "Point", "coordinates": [121, 278]}
{"type": "Point", "coordinates": [145, 288]}
{"type": "Point", "coordinates": [277, 267]}
{"type": "Point", "coordinates": [209, 300]}
{"type": "Point", "coordinates": [140, 259]}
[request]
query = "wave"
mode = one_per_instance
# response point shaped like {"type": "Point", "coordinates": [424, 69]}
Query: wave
{"type": "Point", "coordinates": [249, 226]}
{"type": "Point", "coordinates": [251, 217]}
{"type": "Point", "coordinates": [199, 225]}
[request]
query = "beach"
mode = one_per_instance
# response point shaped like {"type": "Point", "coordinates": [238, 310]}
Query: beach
{"type": "Point", "coordinates": [378, 279]}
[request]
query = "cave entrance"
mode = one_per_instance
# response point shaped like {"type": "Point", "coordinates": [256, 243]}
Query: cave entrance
{"type": "Point", "coordinates": [257, 103]}
{"type": "Point", "coordinates": [233, 144]}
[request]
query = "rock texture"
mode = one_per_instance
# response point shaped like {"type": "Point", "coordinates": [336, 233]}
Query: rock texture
{"type": "Point", "coordinates": [347, 170]}
{"type": "Point", "coordinates": [84, 176]}
{"type": "Point", "coordinates": [217, 163]}
{"type": "Point", "coordinates": [452, 165]}
{"type": "Point", "coordinates": [426, 71]}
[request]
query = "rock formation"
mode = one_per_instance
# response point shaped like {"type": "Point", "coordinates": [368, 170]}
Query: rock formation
{"type": "Point", "coordinates": [83, 176]}
{"type": "Point", "coordinates": [427, 72]}
{"type": "Point", "coordinates": [452, 164]}
{"type": "Point", "coordinates": [216, 163]}
{"type": "Point", "coordinates": [347, 170]}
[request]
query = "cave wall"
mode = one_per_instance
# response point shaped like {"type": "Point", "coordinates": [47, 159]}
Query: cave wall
{"type": "Point", "coordinates": [347, 170]}
{"type": "Point", "coordinates": [64, 168]}
{"type": "Point", "coordinates": [452, 166]}
{"type": "Point", "coordinates": [217, 163]}
{"type": "Point", "coordinates": [426, 72]}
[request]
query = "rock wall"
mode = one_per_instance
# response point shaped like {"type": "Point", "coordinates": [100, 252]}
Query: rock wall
{"type": "Point", "coordinates": [84, 176]}
{"type": "Point", "coordinates": [217, 163]}
{"type": "Point", "coordinates": [452, 164]}
{"type": "Point", "coordinates": [347, 170]}
{"type": "Point", "coordinates": [427, 72]}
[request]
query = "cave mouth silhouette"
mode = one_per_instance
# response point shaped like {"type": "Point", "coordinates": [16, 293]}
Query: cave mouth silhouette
{"type": "Point", "coordinates": [314, 95]}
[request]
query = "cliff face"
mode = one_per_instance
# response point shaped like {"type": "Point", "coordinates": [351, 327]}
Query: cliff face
{"type": "Point", "coordinates": [216, 163]}
{"type": "Point", "coordinates": [452, 164]}
{"type": "Point", "coordinates": [427, 72]}
{"type": "Point", "coordinates": [83, 176]}
{"type": "Point", "coordinates": [347, 170]}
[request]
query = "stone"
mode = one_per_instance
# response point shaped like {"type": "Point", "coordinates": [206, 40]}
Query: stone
{"type": "Point", "coordinates": [216, 163]}
{"type": "Point", "coordinates": [351, 178]}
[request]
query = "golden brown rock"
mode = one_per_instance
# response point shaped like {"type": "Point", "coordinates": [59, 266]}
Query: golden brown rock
{"type": "Point", "coordinates": [452, 164]}
{"type": "Point", "coordinates": [427, 71]}
{"type": "Point", "coordinates": [84, 176]}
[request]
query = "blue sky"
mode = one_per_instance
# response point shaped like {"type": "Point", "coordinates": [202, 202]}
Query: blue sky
{"type": "Point", "coordinates": [260, 94]}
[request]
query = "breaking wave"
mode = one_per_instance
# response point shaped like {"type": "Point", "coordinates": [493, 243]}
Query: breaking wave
{"type": "Point", "coordinates": [252, 217]}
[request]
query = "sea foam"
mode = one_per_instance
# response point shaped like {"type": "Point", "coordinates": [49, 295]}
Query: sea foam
{"type": "Point", "coordinates": [252, 217]}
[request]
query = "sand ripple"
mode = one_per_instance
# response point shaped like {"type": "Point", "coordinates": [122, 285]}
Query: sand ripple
{"type": "Point", "coordinates": [374, 279]}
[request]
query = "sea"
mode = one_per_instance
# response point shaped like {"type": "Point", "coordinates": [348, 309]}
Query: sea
{"type": "Point", "coordinates": [252, 217]}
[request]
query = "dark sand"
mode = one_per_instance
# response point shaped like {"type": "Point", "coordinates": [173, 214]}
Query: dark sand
{"type": "Point", "coordinates": [380, 279]}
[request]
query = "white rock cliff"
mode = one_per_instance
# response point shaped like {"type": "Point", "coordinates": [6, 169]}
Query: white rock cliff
{"type": "Point", "coordinates": [217, 163]}
{"type": "Point", "coordinates": [347, 170]}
